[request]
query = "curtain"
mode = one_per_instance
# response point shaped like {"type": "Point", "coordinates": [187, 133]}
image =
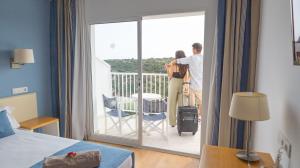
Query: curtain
{"type": "Point", "coordinates": [62, 50]}
{"type": "Point", "coordinates": [71, 67]}
{"type": "Point", "coordinates": [82, 88]}
{"type": "Point", "coordinates": [234, 66]}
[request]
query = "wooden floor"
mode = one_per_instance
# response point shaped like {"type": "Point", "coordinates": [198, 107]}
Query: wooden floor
{"type": "Point", "coordinates": [152, 159]}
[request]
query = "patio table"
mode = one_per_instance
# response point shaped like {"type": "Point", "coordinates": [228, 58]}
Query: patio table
{"type": "Point", "coordinates": [148, 96]}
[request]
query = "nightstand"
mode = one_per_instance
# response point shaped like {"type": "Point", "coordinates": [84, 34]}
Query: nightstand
{"type": "Point", "coordinates": [48, 125]}
{"type": "Point", "coordinates": [216, 157]}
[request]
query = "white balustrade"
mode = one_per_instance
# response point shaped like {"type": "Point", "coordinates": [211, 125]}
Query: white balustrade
{"type": "Point", "coordinates": [125, 84]}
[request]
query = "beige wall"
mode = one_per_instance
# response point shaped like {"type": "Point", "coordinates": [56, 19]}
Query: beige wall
{"type": "Point", "coordinates": [279, 79]}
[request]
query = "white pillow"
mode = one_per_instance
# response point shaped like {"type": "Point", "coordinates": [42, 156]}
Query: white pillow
{"type": "Point", "coordinates": [14, 123]}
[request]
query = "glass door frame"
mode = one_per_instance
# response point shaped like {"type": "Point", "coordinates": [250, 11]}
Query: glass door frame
{"type": "Point", "coordinates": [140, 49]}
{"type": "Point", "coordinates": [138, 143]}
{"type": "Point", "coordinates": [115, 139]}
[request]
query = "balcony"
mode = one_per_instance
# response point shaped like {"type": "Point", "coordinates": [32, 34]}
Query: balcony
{"type": "Point", "coordinates": [124, 87]}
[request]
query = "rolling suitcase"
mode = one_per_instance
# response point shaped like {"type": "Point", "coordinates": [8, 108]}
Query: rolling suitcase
{"type": "Point", "coordinates": [187, 119]}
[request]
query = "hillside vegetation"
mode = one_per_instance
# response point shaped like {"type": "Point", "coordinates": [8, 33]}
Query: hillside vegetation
{"type": "Point", "coordinates": [151, 65]}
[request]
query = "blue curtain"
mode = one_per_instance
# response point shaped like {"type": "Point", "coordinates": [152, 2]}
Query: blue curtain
{"type": "Point", "coordinates": [62, 45]}
{"type": "Point", "coordinates": [221, 19]}
{"type": "Point", "coordinates": [234, 67]}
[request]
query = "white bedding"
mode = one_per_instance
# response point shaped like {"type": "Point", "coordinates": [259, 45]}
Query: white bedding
{"type": "Point", "coordinates": [25, 148]}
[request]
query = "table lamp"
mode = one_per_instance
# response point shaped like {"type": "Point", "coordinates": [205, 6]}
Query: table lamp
{"type": "Point", "coordinates": [249, 106]}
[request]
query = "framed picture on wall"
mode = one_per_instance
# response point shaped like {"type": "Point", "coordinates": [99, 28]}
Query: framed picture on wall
{"type": "Point", "coordinates": [295, 8]}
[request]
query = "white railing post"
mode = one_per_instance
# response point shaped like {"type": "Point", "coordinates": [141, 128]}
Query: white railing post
{"type": "Point", "coordinates": [155, 84]}
{"type": "Point", "coordinates": [119, 85]}
{"type": "Point", "coordinates": [151, 82]}
{"type": "Point", "coordinates": [164, 87]}
{"type": "Point", "coordinates": [146, 79]}
{"type": "Point", "coordinates": [115, 84]}
{"type": "Point", "coordinates": [159, 81]}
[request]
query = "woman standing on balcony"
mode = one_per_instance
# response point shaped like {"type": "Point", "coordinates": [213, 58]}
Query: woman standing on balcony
{"type": "Point", "coordinates": [178, 75]}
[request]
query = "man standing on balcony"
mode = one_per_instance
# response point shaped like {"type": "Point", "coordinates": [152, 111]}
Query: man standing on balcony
{"type": "Point", "coordinates": [195, 63]}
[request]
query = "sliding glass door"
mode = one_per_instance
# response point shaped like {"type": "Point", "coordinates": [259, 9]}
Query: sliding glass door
{"type": "Point", "coordinates": [131, 85]}
{"type": "Point", "coordinates": [162, 37]}
{"type": "Point", "coordinates": [116, 80]}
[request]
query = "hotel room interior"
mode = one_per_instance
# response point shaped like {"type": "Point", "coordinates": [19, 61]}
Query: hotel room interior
{"type": "Point", "coordinates": [85, 83]}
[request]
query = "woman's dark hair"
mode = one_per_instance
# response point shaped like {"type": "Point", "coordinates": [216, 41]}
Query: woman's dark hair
{"type": "Point", "coordinates": [179, 54]}
{"type": "Point", "coordinates": [182, 67]}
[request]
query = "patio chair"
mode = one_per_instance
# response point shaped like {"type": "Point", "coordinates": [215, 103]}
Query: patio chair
{"type": "Point", "coordinates": [116, 115]}
{"type": "Point", "coordinates": [154, 116]}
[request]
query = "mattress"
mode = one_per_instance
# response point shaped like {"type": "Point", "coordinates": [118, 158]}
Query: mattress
{"type": "Point", "coordinates": [27, 149]}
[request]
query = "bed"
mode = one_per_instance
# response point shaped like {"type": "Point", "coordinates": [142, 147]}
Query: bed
{"type": "Point", "coordinates": [28, 149]}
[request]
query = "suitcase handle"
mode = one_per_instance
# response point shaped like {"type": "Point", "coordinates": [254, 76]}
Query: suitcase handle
{"type": "Point", "coordinates": [183, 96]}
{"type": "Point", "coordinates": [188, 97]}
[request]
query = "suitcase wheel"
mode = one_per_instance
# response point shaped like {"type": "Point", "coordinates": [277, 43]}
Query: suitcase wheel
{"type": "Point", "coordinates": [179, 133]}
{"type": "Point", "coordinates": [194, 133]}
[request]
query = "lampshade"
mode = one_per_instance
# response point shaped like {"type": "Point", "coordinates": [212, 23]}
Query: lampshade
{"type": "Point", "coordinates": [249, 106]}
{"type": "Point", "coordinates": [23, 56]}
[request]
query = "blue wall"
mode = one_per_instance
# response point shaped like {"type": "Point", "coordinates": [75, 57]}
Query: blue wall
{"type": "Point", "coordinates": [25, 24]}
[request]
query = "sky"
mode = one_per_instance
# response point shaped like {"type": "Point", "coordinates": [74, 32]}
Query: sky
{"type": "Point", "coordinates": [160, 37]}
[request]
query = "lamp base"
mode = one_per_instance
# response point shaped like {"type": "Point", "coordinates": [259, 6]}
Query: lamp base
{"type": "Point", "coordinates": [251, 156]}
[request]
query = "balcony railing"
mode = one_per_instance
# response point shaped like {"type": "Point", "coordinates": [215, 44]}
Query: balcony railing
{"type": "Point", "coordinates": [124, 85]}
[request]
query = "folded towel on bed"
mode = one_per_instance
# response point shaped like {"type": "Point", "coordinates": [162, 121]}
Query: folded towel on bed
{"type": "Point", "coordinates": [90, 159]}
